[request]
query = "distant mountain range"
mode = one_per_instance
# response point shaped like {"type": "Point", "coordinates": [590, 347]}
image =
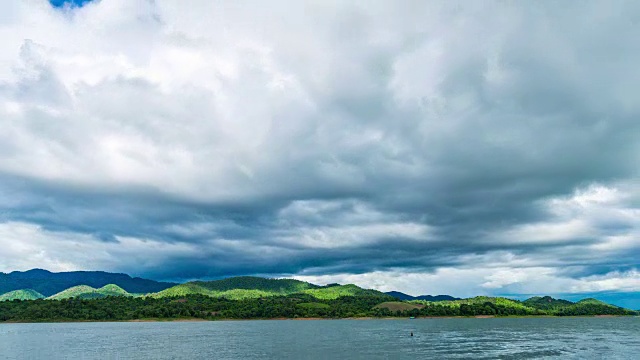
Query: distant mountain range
{"type": "Point", "coordinates": [48, 283]}
{"type": "Point", "coordinates": [124, 297]}
{"type": "Point", "coordinates": [235, 288]}
{"type": "Point", "coordinates": [42, 284]}
{"type": "Point", "coordinates": [38, 283]}
{"type": "Point", "coordinates": [402, 296]}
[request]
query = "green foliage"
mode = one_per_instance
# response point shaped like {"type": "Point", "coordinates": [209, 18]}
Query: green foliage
{"type": "Point", "coordinates": [314, 305]}
{"type": "Point", "coordinates": [394, 306]}
{"type": "Point", "coordinates": [237, 288]}
{"type": "Point", "coordinates": [274, 286]}
{"type": "Point", "coordinates": [592, 307]}
{"type": "Point", "coordinates": [299, 305]}
{"type": "Point", "coordinates": [334, 292]}
{"type": "Point", "coordinates": [48, 283]}
{"type": "Point", "coordinates": [26, 294]}
{"type": "Point", "coordinates": [258, 298]}
{"type": "Point", "coordinates": [72, 292]}
{"type": "Point", "coordinates": [514, 306]}
{"type": "Point", "coordinates": [183, 290]}
{"type": "Point", "coordinates": [190, 306]}
{"type": "Point", "coordinates": [588, 306]}
{"type": "Point", "coordinates": [546, 303]}
{"type": "Point", "coordinates": [591, 301]}
{"type": "Point", "coordinates": [87, 292]}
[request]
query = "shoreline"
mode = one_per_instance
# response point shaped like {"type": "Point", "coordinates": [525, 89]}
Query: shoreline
{"type": "Point", "coordinates": [187, 320]}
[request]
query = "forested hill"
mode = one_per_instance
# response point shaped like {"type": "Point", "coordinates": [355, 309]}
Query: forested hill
{"type": "Point", "coordinates": [46, 296]}
{"type": "Point", "coordinates": [402, 296]}
{"type": "Point", "coordinates": [244, 287]}
{"type": "Point", "coordinates": [48, 283]}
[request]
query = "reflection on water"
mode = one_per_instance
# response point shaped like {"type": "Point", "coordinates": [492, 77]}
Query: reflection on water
{"type": "Point", "coordinates": [517, 338]}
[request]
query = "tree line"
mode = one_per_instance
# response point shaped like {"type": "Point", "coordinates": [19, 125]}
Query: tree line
{"type": "Point", "coordinates": [121, 308]}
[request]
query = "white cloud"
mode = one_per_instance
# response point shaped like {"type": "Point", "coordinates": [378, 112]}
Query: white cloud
{"type": "Point", "coordinates": [342, 224]}
{"type": "Point", "coordinates": [25, 246]}
{"type": "Point", "coordinates": [484, 281]}
{"type": "Point", "coordinates": [465, 136]}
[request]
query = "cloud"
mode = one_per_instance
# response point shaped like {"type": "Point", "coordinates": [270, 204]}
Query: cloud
{"type": "Point", "coordinates": [26, 245]}
{"type": "Point", "coordinates": [359, 141]}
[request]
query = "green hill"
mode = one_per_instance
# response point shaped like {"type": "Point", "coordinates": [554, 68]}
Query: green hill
{"type": "Point", "coordinates": [334, 292]}
{"type": "Point", "coordinates": [87, 292]}
{"type": "Point", "coordinates": [479, 300]}
{"type": "Point", "coordinates": [112, 290]}
{"type": "Point", "coordinates": [592, 306]}
{"type": "Point", "coordinates": [247, 287]}
{"type": "Point", "coordinates": [48, 283]}
{"type": "Point", "coordinates": [197, 289]}
{"type": "Point", "coordinates": [27, 294]}
{"type": "Point", "coordinates": [589, 306]}
{"type": "Point", "coordinates": [273, 298]}
{"type": "Point", "coordinates": [547, 303]}
{"type": "Point", "coordinates": [591, 301]}
{"type": "Point", "coordinates": [236, 288]}
{"type": "Point", "coordinates": [274, 286]}
{"type": "Point", "coordinates": [394, 306]}
{"type": "Point", "coordinates": [479, 305]}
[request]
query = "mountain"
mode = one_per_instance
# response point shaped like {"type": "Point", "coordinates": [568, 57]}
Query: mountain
{"type": "Point", "coordinates": [240, 287]}
{"type": "Point", "coordinates": [48, 283]}
{"type": "Point", "coordinates": [591, 306]}
{"type": "Point", "coordinates": [276, 286]}
{"type": "Point", "coordinates": [479, 300]}
{"type": "Point", "coordinates": [248, 287]}
{"type": "Point", "coordinates": [334, 292]}
{"type": "Point", "coordinates": [87, 292]}
{"type": "Point", "coordinates": [583, 307]}
{"type": "Point", "coordinates": [546, 303]}
{"type": "Point", "coordinates": [402, 296]}
{"type": "Point", "coordinates": [273, 298]}
{"type": "Point", "coordinates": [27, 294]}
{"type": "Point", "coordinates": [437, 298]}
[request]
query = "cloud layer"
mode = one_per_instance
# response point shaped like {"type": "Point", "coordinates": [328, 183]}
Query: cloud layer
{"type": "Point", "coordinates": [410, 145]}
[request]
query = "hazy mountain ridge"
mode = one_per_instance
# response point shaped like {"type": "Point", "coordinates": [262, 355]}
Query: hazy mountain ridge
{"type": "Point", "coordinates": [402, 296]}
{"type": "Point", "coordinates": [48, 283]}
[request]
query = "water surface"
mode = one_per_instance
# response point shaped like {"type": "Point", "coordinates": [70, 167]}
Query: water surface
{"type": "Point", "coordinates": [500, 338]}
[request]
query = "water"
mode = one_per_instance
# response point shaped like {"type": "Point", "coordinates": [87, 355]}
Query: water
{"type": "Point", "coordinates": [507, 338]}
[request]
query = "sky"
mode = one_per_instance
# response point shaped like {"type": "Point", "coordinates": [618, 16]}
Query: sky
{"type": "Point", "coordinates": [430, 147]}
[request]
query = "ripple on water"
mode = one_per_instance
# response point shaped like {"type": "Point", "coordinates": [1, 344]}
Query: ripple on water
{"type": "Point", "coordinates": [528, 338]}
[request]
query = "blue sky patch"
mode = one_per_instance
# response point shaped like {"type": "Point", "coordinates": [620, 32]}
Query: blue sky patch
{"type": "Point", "coordinates": [62, 3]}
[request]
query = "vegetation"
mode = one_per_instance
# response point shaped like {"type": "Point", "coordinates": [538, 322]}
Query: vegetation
{"type": "Point", "coordinates": [402, 296]}
{"type": "Point", "coordinates": [336, 291]}
{"type": "Point", "coordinates": [48, 283]}
{"type": "Point", "coordinates": [591, 307]}
{"type": "Point", "coordinates": [246, 287]}
{"type": "Point", "coordinates": [27, 294]}
{"type": "Point", "coordinates": [87, 292]}
{"type": "Point", "coordinates": [190, 306]}
{"type": "Point", "coordinates": [258, 298]}
{"type": "Point", "coordinates": [238, 288]}
{"type": "Point", "coordinates": [275, 286]}
{"type": "Point", "coordinates": [300, 305]}
{"type": "Point", "coordinates": [546, 303]}
{"type": "Point", "coordinates": [395, 306]}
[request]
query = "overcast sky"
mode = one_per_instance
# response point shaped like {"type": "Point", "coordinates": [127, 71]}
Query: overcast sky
{"type": "Point", "coordinates": [423, 146]}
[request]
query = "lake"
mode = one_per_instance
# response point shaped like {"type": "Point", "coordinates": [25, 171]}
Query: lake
{"type": "Point", "coordinates": [460, 338]}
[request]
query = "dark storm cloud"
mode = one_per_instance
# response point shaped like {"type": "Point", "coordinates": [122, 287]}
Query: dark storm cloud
{"type": "Point", "coordinates": [387, 138]}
